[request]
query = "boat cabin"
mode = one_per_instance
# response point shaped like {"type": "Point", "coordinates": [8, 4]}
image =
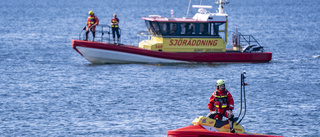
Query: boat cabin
{"type": "Point", "coordinates": [162, 27]}
{"type": "Point", "coordinates": [205, 32]}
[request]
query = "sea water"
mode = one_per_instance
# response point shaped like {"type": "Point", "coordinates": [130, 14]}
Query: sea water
{"type": "Point", "coordinates": [48, 89]}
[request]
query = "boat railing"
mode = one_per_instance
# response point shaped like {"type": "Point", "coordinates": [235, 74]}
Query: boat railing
{"type": "Point", "coordinates": [103, 33]}
{"type": "Point", "coordinates": [141, 34]}
{"type": "Point", "coordinates": [249, 39]}
{"type": "Point", "coordinates": [252, 45]}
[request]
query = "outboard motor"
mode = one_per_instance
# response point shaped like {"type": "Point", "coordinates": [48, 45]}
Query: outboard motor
{"type": "Point", "coordinates": [253, 49]}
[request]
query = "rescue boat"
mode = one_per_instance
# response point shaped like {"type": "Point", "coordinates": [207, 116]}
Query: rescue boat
{"type": "Point", "coordinates": [207, 127]}
{"type": "Point", "coordinates": [202, 38]}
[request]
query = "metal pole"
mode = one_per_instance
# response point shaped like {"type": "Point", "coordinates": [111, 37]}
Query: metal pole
{"type": "Point", "coordinates": [188, 9]}
{"type": "Point", "coordinates": [244, 97]}
{"type": "Point", "coordinates": [241, 81]}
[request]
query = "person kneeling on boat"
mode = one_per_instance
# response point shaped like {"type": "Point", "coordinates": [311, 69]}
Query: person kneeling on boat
{"type": "Point", "coordinates": [221, 104]}
{"type": "Point", "coordinates": [92, 22]}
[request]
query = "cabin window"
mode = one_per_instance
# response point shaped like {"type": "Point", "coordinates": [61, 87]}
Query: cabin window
{"type": "Point", "coordinates": [173, 28]}
{"type": "Point", "coordinates": [204, 29]}
{"type": "Point", "coordinates": [154, 28]}
{"type": "Point", "coordinates": [163, 28]}
{"type": "Point", "coordinates": [148, 27]}
{"type": "Point", "coordinates": [187, 28]}
{"type": "Point", "coordinates": [215, 28]}
{"type": "Point", "coordinates": [191, 29]}
{"type": "Point", "coordinates": [184, 29]}
{"type": "Point", "coordinates": [221, 27]}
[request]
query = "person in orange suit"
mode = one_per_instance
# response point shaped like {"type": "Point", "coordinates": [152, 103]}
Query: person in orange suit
{"type": "Point", "coordinates": [221, 104]}
{"type": "Point", "coordinates": [92, 22]}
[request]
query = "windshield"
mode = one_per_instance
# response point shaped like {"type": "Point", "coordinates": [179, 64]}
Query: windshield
{"type": "Point", "coordinates": [183, 29]}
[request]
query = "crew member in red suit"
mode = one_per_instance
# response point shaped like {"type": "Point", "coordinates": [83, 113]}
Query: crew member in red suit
{"type": "Point", "coordinates": [115, 28]}
{"type": "Point", "coordinates": [92, 22]}
{"type": "Point", "coordinates": [221, 104]}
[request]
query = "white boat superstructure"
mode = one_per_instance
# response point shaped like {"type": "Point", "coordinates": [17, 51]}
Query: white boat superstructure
{"type": "Point", "coordinates": [204, 15]}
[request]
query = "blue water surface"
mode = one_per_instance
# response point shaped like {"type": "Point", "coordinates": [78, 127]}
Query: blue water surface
{"type": "Point", "coordinates": [48, 89]}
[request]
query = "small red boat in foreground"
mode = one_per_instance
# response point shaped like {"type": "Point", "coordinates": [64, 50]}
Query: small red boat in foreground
{"type": "Point", "coordinates": [202, 38]}
{"type": "Point", "coordinates": [207, 127]}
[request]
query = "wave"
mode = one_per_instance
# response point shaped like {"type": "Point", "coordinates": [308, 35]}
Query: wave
{"type": "Point", "coordinates": [316, 56]}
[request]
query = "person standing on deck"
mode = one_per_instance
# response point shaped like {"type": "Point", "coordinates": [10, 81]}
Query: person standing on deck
{"type": "Point", "coordinates": [115, 27]}
{"type": "Point", "coordinates": [92, 22]}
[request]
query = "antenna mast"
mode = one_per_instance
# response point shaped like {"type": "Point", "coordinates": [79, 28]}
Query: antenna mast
{"type": "Point", "coordinates": [188, 9]}
{"type": "Point", "coordinates": [221, 5]}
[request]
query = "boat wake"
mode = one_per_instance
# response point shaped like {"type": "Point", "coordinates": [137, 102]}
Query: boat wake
{"type": "Point", "coordinates": [316, 56]}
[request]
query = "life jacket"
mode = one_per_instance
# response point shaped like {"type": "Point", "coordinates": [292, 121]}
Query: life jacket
{"type": "Point", "coordinates": [92, 20]}
{"type": "Point", "coordinates": [220, 99]}
{"type": "Point", "coordinates": [116, 20]}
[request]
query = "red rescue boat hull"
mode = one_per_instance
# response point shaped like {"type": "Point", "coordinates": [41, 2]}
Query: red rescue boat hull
{"type": "Point", "coordinates": [135, 55]}
{"type": "Point", "coordinates": [199, 131]}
